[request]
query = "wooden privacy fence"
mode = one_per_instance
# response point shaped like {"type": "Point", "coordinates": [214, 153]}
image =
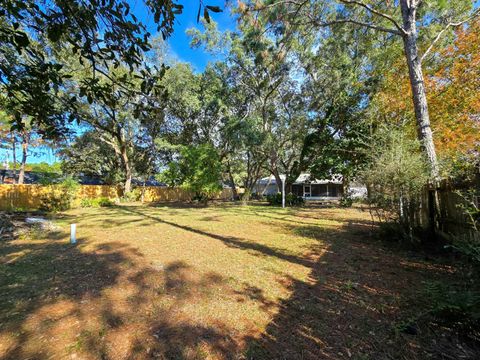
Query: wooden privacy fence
{"type": "Point", "coordinates": [161, 194]}
{"type": "Point", "coordinates": [28, 197]}
{"type": "Point", "coordinates": [453, 221]}
{"type": "Point", "coordinates": [446, 216]}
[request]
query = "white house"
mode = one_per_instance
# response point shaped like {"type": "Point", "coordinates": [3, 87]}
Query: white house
{"type": "Point", "coordinates": [312, 189]}
{"type": "Point", "coordinates": [315, 189]}
{"type": "Point", "coordinates": [305, 186]}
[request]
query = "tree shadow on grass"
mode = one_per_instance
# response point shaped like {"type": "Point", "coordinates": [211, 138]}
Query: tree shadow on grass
{"type": "Point", "coordinates": [354, 303]}
{"type": "Point", "coordinates": [359, 295]}
{"type": "Point", "coordinates": [231, 241]}
{"type": "Point", "coordinates": [109, 302]}
{"type": "Point", "coordinates": [58, 300]}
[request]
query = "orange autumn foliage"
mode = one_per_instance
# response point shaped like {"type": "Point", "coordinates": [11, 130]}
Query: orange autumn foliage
{"type": "Point", "coordinates": [454, 98]}
{"type": "Point", "coordinates": [453, 91]}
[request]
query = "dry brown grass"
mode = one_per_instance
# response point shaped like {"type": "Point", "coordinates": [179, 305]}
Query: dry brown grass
{"type": "Point", "coordinates": [220, 282]}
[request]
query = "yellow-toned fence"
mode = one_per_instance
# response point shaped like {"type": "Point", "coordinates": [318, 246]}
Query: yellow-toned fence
{"type": "Point", "coordinates": [28, 196]}
{"type": "Point", "coordinates": [161, 194]}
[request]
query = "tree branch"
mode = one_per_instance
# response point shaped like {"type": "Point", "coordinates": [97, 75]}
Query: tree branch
{"type": "Point", "coordinates": [441, 32]}
{"type": "Point", "coordinates": [376, 12]}
{"type": "Point", "coordinates": [361, 23]}
{"type": "Point", "coordinates": [397, 31]}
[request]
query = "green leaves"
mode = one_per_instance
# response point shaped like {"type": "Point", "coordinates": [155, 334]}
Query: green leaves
{"type": "Point", "coordinates": [197, 170]}
{"type": "Point", "coordinates": [206, 15]}
{"type": "Point", "coordinates": [54, 32]}
{"type": "Point", "coordinates": [100, 34]}
{"type": "Point", "coordinates": [21, 40]}
{"type": "Point", "coordinates": [206, 9]}
{"type": "Point", "coordinates": [215, 9]}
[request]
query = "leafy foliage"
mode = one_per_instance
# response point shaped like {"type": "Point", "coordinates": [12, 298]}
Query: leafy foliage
{"type": "Point", "coordinates": [89, 156]}
{"type": "Point", "coordinates": [290, 199]}
{"type": "Point", "coordinates": [197, 169]}
{"type": "Point", "coordinates": [452, 82]}
{"type": "Point", "coordinates": [60, 197]}
{"type": "Point", "coordinates": [396, 174]}
{"type": "Point", "coordinates": [458, 308]}
{"type": "Point", "coordinates": [96, 202]}
{"type": "Point", "coordinates": [102, 34]}
{"type": "Point", "coordinates": [131, 196]}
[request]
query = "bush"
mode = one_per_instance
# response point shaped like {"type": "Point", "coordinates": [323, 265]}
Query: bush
{"type": "Point", "coordinates": [294, 200]}
{"type": "Point", "coordinates": [397, 173]}
{"type": "Point", "coordinates": [346, 201]}
{"type": "Point", "coordinates": [200, 197]}
{"type": "Point", "coordinates": [290, 199]}
{"type": "Point", "coordinates": [60, 197]}
{"type": "Point", "coordinates": [96, 202]}
{"type": "Point", "coordinates": [458, 308]}
{"type": "Point", "coordinates": [132, 196]}
{"type": "Point", "coordinates": [274, 199]}
{"type": "Point", "coordinates": [104, 202]}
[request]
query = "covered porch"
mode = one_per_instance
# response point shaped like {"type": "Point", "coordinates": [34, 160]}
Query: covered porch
{"type": "Point", "coordinates": [316, 191]}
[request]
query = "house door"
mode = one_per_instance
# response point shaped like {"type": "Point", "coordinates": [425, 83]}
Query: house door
{"type": "Point", "coordinates": [307, 190]}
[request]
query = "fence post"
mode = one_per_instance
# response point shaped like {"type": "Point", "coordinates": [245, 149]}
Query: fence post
{"type": "Point", "coordinates": [431, 211]}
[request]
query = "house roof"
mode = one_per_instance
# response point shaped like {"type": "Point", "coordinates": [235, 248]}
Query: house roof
{"type": "Point", "coordinates": [266, 180]}
{"type": "Point", "coordinates": [304, 178]}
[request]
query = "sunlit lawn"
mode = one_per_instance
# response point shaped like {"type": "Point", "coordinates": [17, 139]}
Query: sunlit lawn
{"type": "Point", "coordinates": [218, 282]}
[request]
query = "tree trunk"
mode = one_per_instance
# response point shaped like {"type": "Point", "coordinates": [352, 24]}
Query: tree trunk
{"type": "Point", "coordinates": [128, 170]}
{"type": "Point", "coordinates": [14, 158]}
{"type": "Point", "coordinates": [288, 187]}
{"type": "Point", "coordinates": [418, 86]}
{"type": "Point", "coordinates": [21, 175]}
{"type": "Point", "coordinates": [234, 188]}
{"type": "Point", "coordinates": [278, 179]}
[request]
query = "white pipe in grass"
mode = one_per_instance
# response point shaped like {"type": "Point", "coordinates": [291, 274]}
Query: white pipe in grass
{"type": "Point", "coordinates": [283, 178]}
{"type": "Point", "coordinates": [73, 233]}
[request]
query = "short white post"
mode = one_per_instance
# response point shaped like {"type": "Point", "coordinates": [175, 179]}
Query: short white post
{"type": "Point", "coordinates": [283, 177]}
{"type": "Point", "coordinates": [73, 233]}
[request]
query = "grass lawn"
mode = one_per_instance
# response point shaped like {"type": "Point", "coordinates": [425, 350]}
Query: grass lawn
{"type": "Point", "coordinates": [217, 282]}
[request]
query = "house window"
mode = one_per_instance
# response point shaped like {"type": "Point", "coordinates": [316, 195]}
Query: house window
{"type": "Point", "coordinates": [332, 190]}
{"type": "Point", "coordinates": [307, 190]}
{"type": "Point", "coordinates": [297, 190]}
{"type": "Point", "coordinates": [335, 190]}
{"type": "Point", "coordinates": [320, 190]}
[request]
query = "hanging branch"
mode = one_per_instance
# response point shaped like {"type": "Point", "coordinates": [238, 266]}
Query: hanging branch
{"type": "Point", "coordinates": [441, 32]}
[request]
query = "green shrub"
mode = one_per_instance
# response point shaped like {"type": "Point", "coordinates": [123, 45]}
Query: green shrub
{"type": "Point", "coordinates": [274, 199]}
{"type": "Point", "coordinates": [290, 199]}
{"type": "Point", "coordinates": [397, 174]}
{"type": "Point", "coordinates": [60, 197]}
{"type": "Point", "coordinates": [294, 200]}
{"type": "Point", "coordinates": [96, 202]}
{"type": "Point", "coordinates": [346, 201]}
{"type": "Point", "coordinates": [133, 195]}
{"type": "Point", "coordinates": [86, 203]}
{"type": "Point", "coordinates": [104, 202]}
{"type": "Point", "coordinates": [455, 307]}
{"type": "Point", "coordinates": [197, 170]}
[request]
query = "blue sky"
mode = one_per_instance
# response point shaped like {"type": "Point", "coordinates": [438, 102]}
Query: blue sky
{"type": "Point", "coordinates": [179, 41]}
{"type": "Point", "coordinates": [179, 48]}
